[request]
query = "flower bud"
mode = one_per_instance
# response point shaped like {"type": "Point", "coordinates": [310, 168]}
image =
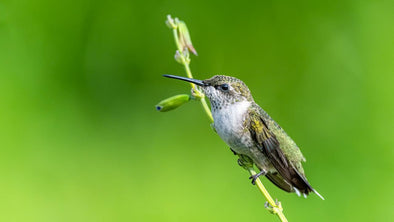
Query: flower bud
{"type": "Point", "coordinates": [172, 102]}
{"type": "Point", "coordinates": [184, 37]}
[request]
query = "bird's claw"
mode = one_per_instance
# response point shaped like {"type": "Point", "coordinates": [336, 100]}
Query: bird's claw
{"type": "Point", "coordinates": [254, 177]}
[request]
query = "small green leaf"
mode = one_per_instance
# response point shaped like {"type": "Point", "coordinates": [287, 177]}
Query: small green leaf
{"type": "Point", "coordinates": [172, 102]}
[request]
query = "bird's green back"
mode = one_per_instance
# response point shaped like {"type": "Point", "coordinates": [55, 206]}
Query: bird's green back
{"type": "Point", "coordinates": [287, 145]}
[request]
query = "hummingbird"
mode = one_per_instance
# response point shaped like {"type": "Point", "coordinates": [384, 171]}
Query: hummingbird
{"type": "Point", "coordinates": [250, 132]}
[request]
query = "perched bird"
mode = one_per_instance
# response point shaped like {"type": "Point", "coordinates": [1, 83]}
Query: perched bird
{"type": "Point", "coordinates": [251, 132]}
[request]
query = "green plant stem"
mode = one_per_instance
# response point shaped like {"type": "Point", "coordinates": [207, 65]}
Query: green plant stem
{"type": "Point", "coordinates": [185, 63]}
{"type": "Point", "coordinates": [201, 96]}
{"type": "Point", "coordinates": [184, 59]}
{"type": "Point", "coordinates": [276, 208]}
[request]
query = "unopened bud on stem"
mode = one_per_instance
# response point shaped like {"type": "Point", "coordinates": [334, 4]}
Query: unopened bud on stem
{"type": "Point", "coordinates": [172, 102]}
{"type": "Point", "coordinates": [184, 36]}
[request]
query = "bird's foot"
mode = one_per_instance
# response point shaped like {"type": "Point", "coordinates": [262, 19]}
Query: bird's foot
{"type": "Point", "coordinates": [245, 162]}
{"type": "Point", "coordinates": [254, 177]}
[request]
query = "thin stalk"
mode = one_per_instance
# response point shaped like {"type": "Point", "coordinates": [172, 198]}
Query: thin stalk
{"type": "Point", "coordinates": [201, 95]}
{"type": "Point", "coordinates": [276, 208]}
{"type": "Point", "coordinates": [198, 93]}
{"type": "Point", "coordinates": [185, 63]}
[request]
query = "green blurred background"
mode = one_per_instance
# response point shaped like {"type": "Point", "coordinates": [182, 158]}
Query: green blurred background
{"type": "Point", "coordinates": [81, 141]}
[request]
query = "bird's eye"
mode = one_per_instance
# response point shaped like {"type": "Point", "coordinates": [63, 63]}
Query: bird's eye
{"type": "Point", "coordinates": [224, 87]}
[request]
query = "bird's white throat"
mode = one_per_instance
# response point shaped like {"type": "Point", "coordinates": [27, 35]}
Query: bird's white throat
{"type": "Point", "coordinates": [229, 121]}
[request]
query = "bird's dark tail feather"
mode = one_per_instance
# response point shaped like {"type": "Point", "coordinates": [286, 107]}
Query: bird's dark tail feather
{"type": "Point", "coordinates": [295, 182]}
{"type": "Point", "coordinates": [300, 184]}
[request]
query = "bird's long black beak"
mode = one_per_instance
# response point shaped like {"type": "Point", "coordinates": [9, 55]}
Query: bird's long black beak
{"type": "Point", "coordinates": [195, 81]}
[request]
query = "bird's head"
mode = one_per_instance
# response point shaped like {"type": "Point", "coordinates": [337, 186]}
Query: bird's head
{"type": "Point", "coordinates": [221, 90]}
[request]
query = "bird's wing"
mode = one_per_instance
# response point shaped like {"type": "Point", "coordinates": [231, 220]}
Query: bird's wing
{"type": "Point", "coordinates": [278, 180]}
{"type": "Point", "coordinates": [268, 144]}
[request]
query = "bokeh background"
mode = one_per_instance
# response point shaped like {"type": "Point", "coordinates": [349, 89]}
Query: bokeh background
{"type": "Point", "coordinates": [80, 139]}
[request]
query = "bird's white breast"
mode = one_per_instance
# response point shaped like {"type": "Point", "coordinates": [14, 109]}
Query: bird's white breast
{"type": "Point", "coordinates": [229, 124]}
